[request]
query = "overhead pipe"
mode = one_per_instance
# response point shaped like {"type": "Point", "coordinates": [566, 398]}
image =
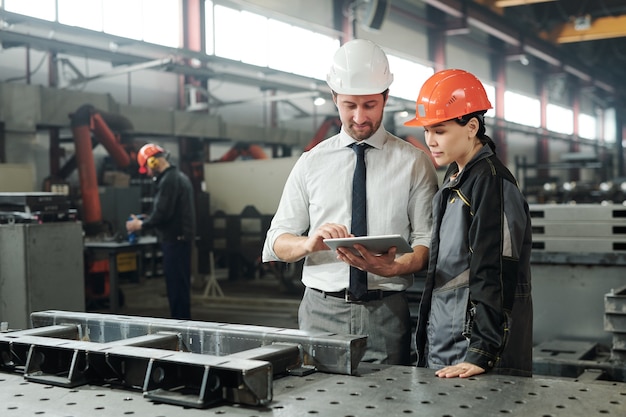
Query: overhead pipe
{"type": "Point", "coordinates": [105, 136]}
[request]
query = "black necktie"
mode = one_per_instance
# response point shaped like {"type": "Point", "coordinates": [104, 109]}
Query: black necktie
{"type": "Point", "coordinates": [358, 278]}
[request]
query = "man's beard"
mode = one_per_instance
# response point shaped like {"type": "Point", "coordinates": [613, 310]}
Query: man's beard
{"type": "Point", "coordinates": [363, 134]}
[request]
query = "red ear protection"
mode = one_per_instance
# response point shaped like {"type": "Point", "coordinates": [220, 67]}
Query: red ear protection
{"type": "Point", "coordinates": [148, 151]}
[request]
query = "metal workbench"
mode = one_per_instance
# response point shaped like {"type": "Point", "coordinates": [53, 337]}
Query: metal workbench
{"type": "Point", "coordinates": [87, 364]}
{"type": "Point", "coordinates": [377, 391]}
{"type": "Point", "coordinates": [112, 248]}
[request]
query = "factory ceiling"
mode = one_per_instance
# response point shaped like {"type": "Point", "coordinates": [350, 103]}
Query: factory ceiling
{"type": "Point", "coordinates": [585, 38]}
{"type": "Point", "coordinates": [593, 32]}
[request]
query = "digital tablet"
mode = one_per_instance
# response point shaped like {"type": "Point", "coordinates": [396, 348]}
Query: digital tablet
{"type": "Point", "coordinates": [377, 244]}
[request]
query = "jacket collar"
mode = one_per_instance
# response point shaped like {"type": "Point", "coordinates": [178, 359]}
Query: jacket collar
{"type": "Point", "coordinates": [483, 153]}
{"type": "Point", "coordinates": [160, 175]}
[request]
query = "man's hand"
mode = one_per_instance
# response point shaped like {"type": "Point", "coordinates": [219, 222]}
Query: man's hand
{"type": "Point", "coordinates": [315, 241]}
{"type": "Point", "coordinates": [134, 224]}
{"type": "Point", "coordinates": [379, 264]}
{"type": "Point", "coordinates": [291, 248]}
{"type": "Point", "coordinates": [461, 370]}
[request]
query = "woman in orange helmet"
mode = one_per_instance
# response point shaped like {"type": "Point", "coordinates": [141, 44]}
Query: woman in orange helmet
{"type": "Point", "coordinates": [475, 314]}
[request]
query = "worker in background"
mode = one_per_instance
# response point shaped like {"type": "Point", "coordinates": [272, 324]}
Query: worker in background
{"type": "Point", "coordinates": [173, 218]}
{"type": "Point", "coordinates": [476, 311]}
{"type": "Point", "coordinates": [317, 203]}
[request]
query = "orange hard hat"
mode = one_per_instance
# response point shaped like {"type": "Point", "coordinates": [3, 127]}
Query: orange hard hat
{"type": "Point", "coordinates": [449, 94]}
{"type": "Point", "coordinates": [146, 152]}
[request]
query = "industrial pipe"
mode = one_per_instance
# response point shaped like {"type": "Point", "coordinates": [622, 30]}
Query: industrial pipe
{"type": "Point", "coordinates": [84, 121]}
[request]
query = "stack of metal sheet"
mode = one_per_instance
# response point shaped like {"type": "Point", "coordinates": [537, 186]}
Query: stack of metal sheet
{"type": "Point", "coordinates": [615, 322]}
{"type": "Point", "coordinates": [579, 228]}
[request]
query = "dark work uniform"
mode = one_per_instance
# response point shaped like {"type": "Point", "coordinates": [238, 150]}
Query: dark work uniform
{"type": "Point", "coordinates": [173, 217]}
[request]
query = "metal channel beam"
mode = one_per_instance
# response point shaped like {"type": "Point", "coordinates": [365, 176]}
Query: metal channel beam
{"type": "Point", "coordinates": [193, 380]}
{"type": "Point", "coordinates": [285, 358]}
{"type": "Point", "coordinates": [70, 364]}
{"type": "Point", "coordinates": [14, 352]}
{"type": "Point", "coordinates": [571, 359]}
{"type": "Point", "coordinates": [325, 352]}
{"type": "Point", "coordinates": [168, 376]}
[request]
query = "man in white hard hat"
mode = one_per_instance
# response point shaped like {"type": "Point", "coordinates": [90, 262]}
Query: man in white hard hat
{"type": "Point", "coordinates": [317, 204]}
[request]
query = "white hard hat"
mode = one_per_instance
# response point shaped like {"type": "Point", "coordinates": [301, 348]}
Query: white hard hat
{"type": "Point", "coordinates": [360, 67]}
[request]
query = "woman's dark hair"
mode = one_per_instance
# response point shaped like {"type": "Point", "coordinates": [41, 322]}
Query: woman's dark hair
{"type": "Point", "coordinates": [480, 115]}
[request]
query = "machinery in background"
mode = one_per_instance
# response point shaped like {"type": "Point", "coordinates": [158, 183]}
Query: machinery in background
{"type": "Point", "coordinates": [243, 151]}
{"type": "Point", "coordinates": [85, 121]}
{"type": "Point", "coordinates": [35, 207]}
{"type": "Point", "coordinates": [597, 184]}
{"type": "Point", "coordinates": [90, 128]}
{"type": "Point", "coordinates": [41, 263]}
{"type": "Point", "coordinates": [330, 126]}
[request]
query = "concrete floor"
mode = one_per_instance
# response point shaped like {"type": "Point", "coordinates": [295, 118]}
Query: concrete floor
{"type": "Point", "coordinates": [260, 301]}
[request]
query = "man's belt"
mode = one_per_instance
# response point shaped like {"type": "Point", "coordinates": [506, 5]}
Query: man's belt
{"type": "Point", "coordinates": [371, 295]}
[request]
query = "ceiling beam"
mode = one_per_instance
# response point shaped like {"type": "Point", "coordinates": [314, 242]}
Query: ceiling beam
{"type": "Point", "coordinates": [600, 28]}
{"type": "Point", "coordinates": [490, 23]}
{"type": "Point", "coordinates": [154, 64]}
{"type": "Point", "coordinates": [512, 3]}
{"type": "Point", "coordinates": [498, 5]}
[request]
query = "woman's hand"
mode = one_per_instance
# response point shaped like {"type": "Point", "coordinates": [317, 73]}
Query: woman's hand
{"type": "Point", "coordinates": [460, 370]}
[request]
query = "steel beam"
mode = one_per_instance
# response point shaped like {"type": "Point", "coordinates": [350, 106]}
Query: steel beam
{"type": "Point", "coordinates": [14, 352]}
{"type": "Point", "coordinates": [193, 364]}
{"type": "Point", "coordinates": [326, 352]}
{"type": "Point", "coordinates": [600, 28]}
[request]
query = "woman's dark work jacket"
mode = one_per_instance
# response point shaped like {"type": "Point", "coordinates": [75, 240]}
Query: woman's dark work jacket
{"type": "Point", "coordinates": [477, 304]}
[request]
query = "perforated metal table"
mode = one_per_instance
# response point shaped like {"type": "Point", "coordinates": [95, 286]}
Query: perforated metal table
{"type": "Point", "coordinates": [85, 364]}
{"type": "Point", "coordinates": [378, 391]}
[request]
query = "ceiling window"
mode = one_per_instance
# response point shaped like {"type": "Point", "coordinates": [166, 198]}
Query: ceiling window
{"type": "Point", "coordinates": [300, 51]}
{"type": "Point", "coordinates": [559, 119]}
{"type": "Point", "coordinates": [521, 109]}
{"type": "Point", "coordinates": [587, 126]}
{"type": "Point", "coordinates": [154, 21]}
{"type": "Point", "coordinates": [85, 14]}
{"type": "Point", "coordinates": [491, 95]}
{"type": "Point", "coordinates": [40, 9]}
{"type": "Point", "coordinates": [408, 77]}
{"type": "Point", "coordinates": [610, 127]}
{"type": "Point", "coordinates": [275, 44]}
